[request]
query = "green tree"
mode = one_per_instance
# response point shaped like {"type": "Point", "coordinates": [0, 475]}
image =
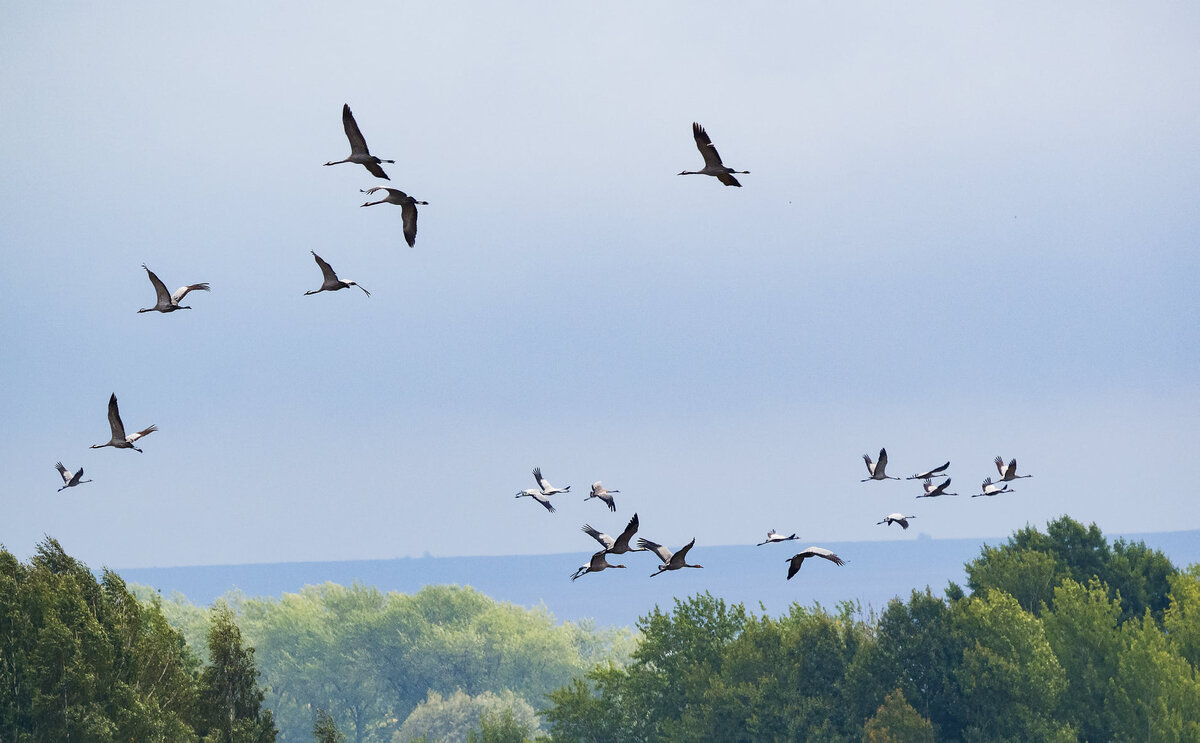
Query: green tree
{"type": "Point", "coordinates": [325, 729]}
{"type": "Point", "coordinates": [1182, 617]}
{"type": "Point", "coordinates": [897, 722]}
{"type": "Point", "coordinates": [1032, 563]}
{"type": "Point", "coordinates": [453, 717]}
{"type": "Point", "coordinates": [234, 711]}
{"type": "Point", "coordinates": [600, 709]}
{"type": "Point", "coordinates": [914, 649]}
{"type": "Point", "coordinates": [1082, 630]}
{"type": "Point", "coordinates": [1009, 678]}
{"type": "Point", "coordinates": [500, 727]}
{"type": "Point", "coordinates": [84, 660]}
{"type": "Point", "coordinates": [1155, 694]}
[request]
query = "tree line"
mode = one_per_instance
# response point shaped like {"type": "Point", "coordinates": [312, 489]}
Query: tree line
{"type": "Point", "coordinates": [1063, 637]}
{"type": "Point", "coordinates": [1058, 635]}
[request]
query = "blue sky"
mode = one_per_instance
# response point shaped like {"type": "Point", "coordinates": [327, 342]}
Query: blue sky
{"type": "Point", "coordinates": [967, 231]}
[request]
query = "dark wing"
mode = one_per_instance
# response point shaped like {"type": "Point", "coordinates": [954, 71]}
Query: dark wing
{"type": "Point", "coordinates": [728, 180]}
{"type": "Point", "coordinates": [630, 529]}
{"type": "Point", "coordinates": [160, 289]}
{"type": "Point", "coordinates": [937, 470]}
{"type": "Point", "coordinates": [999, 464]}
{"type": "Point", "coordinates": [358, 145]}
{"type": "Point", "coordinates": [114, 415]}
{"type": "Point", "coordinates": [326, 269]}
{"type": "Point", "coordinates": [826, 554]}
{"type": "Point", "coordinates": [795, 563]}
{"type": "Point", "coordinates": [681, 556]}
{"type": "Point", "coordinates": [1012, 467]}
{"type": "Point", "coordinates": [66, 476]}
{"type": "Point", "coordinates": [408, 212]}
{"type": "Point", "coordinates": [546, 502]}
{"type": "Point", "coordinates": [707, 151]}
{"type": "Point", "coordinates": [376, 170]}
{"type": "Point", "coordinates": [881, 465]}
{"type": "Point", "coordinates": [75, 480]}
{"type": "Point", "coordinates": [598, 561]}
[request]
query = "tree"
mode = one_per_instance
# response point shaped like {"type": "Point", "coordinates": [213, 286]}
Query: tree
{"type": "Point", "coordinates": [897, 722]}
{"type": "Point", "coordinates": [325, 730]}
{"type": "Point", "coordinates": [1031, 564]}
{"type": "Point", "coordinates": [1182, 618]}
{"type": "Point", "coordinates": [1009, 678]}
{"type": "Point", "coordinates": [84, 660]}
{"type": "Point", "coordinates": [1083, 632]}
{"type": "Point", "coordinates": [453, 717]}
{"type": "Point", "coordinates": [1155, 694]}
{"type": "Point", "coordinates": [234, 711]}
{"type": "Point", "coordinates": [501, 727]}
{"type": "Point", "coordinates": [914, 649]}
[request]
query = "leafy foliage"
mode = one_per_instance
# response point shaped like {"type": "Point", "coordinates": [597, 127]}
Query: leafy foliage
{"type": "Point", "coordinates": [897, 722]}
{"type": "Point", "coordinates": [452, 718]}
{"type": "Point", "coordinates": [370, 658]}
{"type": "Point", "coordinates": [1046, 647]}
{"type": "Point", "coordinates": [82, 659]}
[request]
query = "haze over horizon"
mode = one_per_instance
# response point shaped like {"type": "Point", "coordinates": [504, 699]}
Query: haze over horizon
{"type": "Point", "coordinates": [966, 232]}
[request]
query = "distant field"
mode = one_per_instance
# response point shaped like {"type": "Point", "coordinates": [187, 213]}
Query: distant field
{"type": "Point", "coordinates": [876, 572]}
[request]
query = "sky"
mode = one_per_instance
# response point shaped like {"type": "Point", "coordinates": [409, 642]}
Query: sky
{"type": "Point", "coordinates": [969, 230]}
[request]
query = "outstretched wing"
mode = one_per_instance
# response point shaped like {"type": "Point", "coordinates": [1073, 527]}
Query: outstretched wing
{"type": "Point", "coordinates": [707, 151]}
{"type": "Point", "coordinates": [326, 269]}
{"type": "Point", "coordinates": [375, 170]}
{"type": "Point", "coordinates": [604, 540]}
{"type": "Point", "coordinates": [161, 294]}
{"type": "Point", "coordinates": [681, 556]}
{"type": "Point", "coordinates": [824, 554]}
{"type": "Point", "coordinates": [66, 476]}
{"type": "Point", "coordinates": [408, 213]}
{"type": "Point", "coordinates": [999, 460]}
{"type": "Point", "coordinates": [728, 179]}
{"type": "Point", "coordinates": [114, 415]}
{"type": "Point", "coordinates": [630, 529]}
{"type": "Point", "coordinates": [881, 465]}
{"type": "Point", "coordinates": [182, 291]}
{"type": "Point", "coordinates": [795, 563]}
{"type": "Point", "coordinates": [358, 145]}
{"type": "Point", "coordinates": [144, 432]}
{"type": "Point", "coordinates": [663, 553]}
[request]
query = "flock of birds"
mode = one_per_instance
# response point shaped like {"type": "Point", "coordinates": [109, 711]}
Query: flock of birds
{"type": "Point", "coordinates": [713, 166]}
{"type": "Point", "coordinates": [876, 470]}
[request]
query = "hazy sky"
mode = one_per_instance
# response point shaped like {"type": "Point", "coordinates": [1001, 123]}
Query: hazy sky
{"type": "Point", "coordinates": [968, 230]}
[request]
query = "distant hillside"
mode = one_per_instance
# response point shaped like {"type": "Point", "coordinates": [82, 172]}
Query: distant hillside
{"type": "Point", "coordinates": [875, 572]}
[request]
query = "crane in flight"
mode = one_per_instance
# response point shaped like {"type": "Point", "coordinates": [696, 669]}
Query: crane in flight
{"type": "Point", "coordinates": [358, 147]}
{"type": "Point", "coordinates": [796, 560]}
{"type": "Point", "coordinates": [165, 301]}
{"type": "Point", "coordinates": [408, 209]}
{"type": "Point", "coordinates": [876, 469]}
{"type": "Point", "coordinates": [712, 161]}
{"type": "Point", "coordinates": [119, 440]}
